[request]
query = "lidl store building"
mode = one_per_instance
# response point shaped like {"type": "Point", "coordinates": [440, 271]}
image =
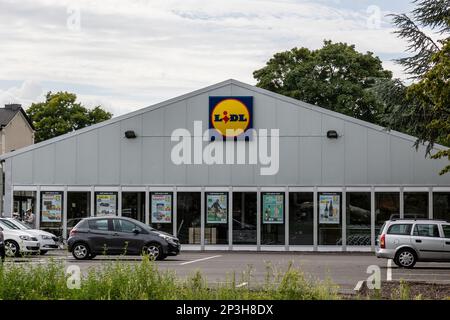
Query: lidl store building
{"type": "Point", "coordinates": [336, 181]}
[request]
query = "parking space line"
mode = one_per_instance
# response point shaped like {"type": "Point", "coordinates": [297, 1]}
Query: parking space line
{"type": "Point", "coordinates": [198, 260]}
{"type": "Point", "coordinates": [389, 270]}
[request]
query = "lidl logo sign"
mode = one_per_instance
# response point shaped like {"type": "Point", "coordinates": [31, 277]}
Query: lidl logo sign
{"type": "Point", "coordinates": [231, 116]}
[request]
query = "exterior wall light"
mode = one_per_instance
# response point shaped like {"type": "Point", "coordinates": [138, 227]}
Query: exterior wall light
{"type": "Point", "coordinates": [332, 134]}
{"type": "Point", "coordinates": [130, 134]}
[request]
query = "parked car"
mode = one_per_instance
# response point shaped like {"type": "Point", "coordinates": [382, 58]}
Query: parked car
{"type": "Point", "coordinates": [2, 246]}
{"type": "Point", "coordinates": [18, 241]}
{"type": "Point", "coordinates": [47, 240]}
{"type": "Point", "coordinates": [114, 236]}
{"type": "Point", "coordinates": [408, 241]}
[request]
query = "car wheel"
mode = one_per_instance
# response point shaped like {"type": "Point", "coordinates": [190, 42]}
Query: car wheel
{"type": "Point", "coordinates": [12, 249]}
{"type": "Point", "coordinates": [80, 251]}
{"type": "Point", "coordinates": [42, 252]}
{"type": "Point", "coordinates": [154, 251]}
{"type": "Point", "coordinates": [405, 258]}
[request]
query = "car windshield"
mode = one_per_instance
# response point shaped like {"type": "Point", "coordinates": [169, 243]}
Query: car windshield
{"type": "Point", "coordinates": [21, 225]}
{"type": "Point", "coordinates": [5, 224]}
{"type": "Point", "coordinates": [143, 225]}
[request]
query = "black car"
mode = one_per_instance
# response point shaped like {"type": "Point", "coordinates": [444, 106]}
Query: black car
{"type": "Point", "coordinates": [119, 235]}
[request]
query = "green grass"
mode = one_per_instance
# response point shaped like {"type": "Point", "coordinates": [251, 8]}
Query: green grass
{"type": "Point", "coordinates": [143, 281]}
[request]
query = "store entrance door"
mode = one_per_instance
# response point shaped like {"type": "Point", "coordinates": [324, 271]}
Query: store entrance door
{"type": "Point", "coordinates": [244, 218]}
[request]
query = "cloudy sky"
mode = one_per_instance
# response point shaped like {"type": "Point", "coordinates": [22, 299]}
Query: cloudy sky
{"type": "Point", "coordinates": [128, 54]}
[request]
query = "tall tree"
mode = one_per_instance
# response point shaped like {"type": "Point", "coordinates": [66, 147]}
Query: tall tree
{"type": "Point", "coordinates": [60, 114]}
{"type": "Point", "coordinates": [336, 77]}
{"type": "Point", "coordinates": [432, 95]}
{"type": "Point", "coordinates": [418, 109]}
{"type": "Point", "coordinates": [429, 19]}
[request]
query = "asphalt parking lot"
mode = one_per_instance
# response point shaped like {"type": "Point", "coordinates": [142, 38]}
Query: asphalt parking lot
{"type": "Point", "coordinates": [343, 269]}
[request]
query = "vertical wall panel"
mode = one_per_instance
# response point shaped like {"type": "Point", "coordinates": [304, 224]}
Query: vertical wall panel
{"type": "Point", "coordinates": [310, 168]}
{"type": "Point", "coordinates": [109, 154]}
{"type": "Point", "coordinates": [65, 161]}
{"type": "Point", "coordinates": [197, 110]}
{"type": "Point", "coordinates": [87, 158]}
{"type": "Point", "coordinates": [174, 118]}
{"type": "Point", "coordinates": [401, 160]}
{"type": "Point", "coordinates": [22, 168]}
{"type": "Point", "coordinates": [131, 151]}
{"type": "Point", "coordinates": [44, 165]}
{"type": "Point", "coordinates": [333, 156]}
{"type": "Point", "coordinates": [378, 158]}
{"type": "Point", "coordinates": [289, 168]}
{"type": "Point", "coordinates": [355, 138]}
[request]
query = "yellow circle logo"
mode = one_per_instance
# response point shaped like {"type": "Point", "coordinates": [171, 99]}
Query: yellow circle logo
{"type": "Point", "coordinates": [230, 117]}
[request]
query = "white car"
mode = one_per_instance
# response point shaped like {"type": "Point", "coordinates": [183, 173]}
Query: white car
{"type": "Point", "coordinates": [47, 240]}
{"type": "Point", "coordinates": [18, 241]}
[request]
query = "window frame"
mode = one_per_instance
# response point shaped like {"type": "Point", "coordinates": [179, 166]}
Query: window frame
{"type": "Point", "coordinates": [411, 227]}
{"type": "Point", "coordinates": [108, 221]}
{"type": "Point", "coordinates": [124, 221]}
{"type": "Point", "coordinates": [443, 230]}
{"type": "Point", "coordinates": [426, 224]}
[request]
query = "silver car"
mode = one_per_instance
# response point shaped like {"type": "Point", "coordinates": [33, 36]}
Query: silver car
{"type": "Point", "coordinates": [407, 241]}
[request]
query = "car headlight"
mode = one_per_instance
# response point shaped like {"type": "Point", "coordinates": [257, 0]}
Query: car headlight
{"type": "Point", "coordinates": [44, 237]}
{"type": "Point", "coordinates": [167, 238]}
{"type": "Point", "coordinates": [26, 238]}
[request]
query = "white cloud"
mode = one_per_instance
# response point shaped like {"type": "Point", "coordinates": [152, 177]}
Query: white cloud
{"type": "Point", "coordinates": [138, 52]}
{"type": "Point", "coordinates": [29, 91]}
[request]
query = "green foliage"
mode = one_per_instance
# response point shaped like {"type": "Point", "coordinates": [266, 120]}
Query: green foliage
{"type": "Point", "coordinates": [431, 15]}
{"type": "Point", "coordinates": [403, 292]}
{"type": "Point", "coordinates": [336, 77]}
{"type": "Point", "coordinates": [422, 108]}
{"type": "Point", "coordinates": [143, 281]}
{"type": "Point", "coordinates": [60, 114]}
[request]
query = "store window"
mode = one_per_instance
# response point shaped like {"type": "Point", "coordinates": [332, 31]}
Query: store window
{"type": "Point", "coordinates": [272, 218]}
{"type": "Point", "coordinates": [161, 211]}
{"type": "Point", "coordinates": [301, 218]}
{"type": "Point", "coordinates": [441, 205]}
{"type": "Point", "coordinates": [358, 218]}
{"type": "Point", "coordinates": [244, 218]}
{"type": "Point", "coordinates": [133, 205]}
{"type": "Point", "coordinates": [105, 204]}
{"type": "Point", "coordinates": [188, 217]}
{"type": "Point", "coordinates": [216, 220]}
{"type": "Point", "coordinates": [78, 207]}
{"type": "Point", "coordinates": [387, 204]}
{"type": "Point", "coordinates": [23, 204]}
{"type": "Point", "coordinates": [52, 212]}
{"type": "Point", "coordinates": [330, 227]}
{"type": "Point", "coordinates": [415, 205]}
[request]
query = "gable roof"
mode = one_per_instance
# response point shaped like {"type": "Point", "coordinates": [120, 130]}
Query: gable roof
{"type": "Point", "coordinates": [9, 112]}
{"type": "Point", "coordinates": [211, 88]}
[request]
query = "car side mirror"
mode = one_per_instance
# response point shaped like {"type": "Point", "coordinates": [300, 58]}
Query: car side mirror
{"type": "Point", "coordinates": [135, 231]}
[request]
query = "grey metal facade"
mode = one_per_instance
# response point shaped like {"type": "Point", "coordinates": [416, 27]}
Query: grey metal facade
{"type": "Point", "coordinates": [364, 155]}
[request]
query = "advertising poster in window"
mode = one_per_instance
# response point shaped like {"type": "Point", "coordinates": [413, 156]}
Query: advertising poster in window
{"type": "Point", "coordinates": [216, 207]}
{"type": "Point", "coordinates": [329, 208]}
{"type": "Point", "coordinates": [106, 203]}
{"type": "Point", "coordinates": [161, 207]}
{"type": "Point", "coordinates": [51, 207]}
{"type": "Point", "coordinates": [273, 208]}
